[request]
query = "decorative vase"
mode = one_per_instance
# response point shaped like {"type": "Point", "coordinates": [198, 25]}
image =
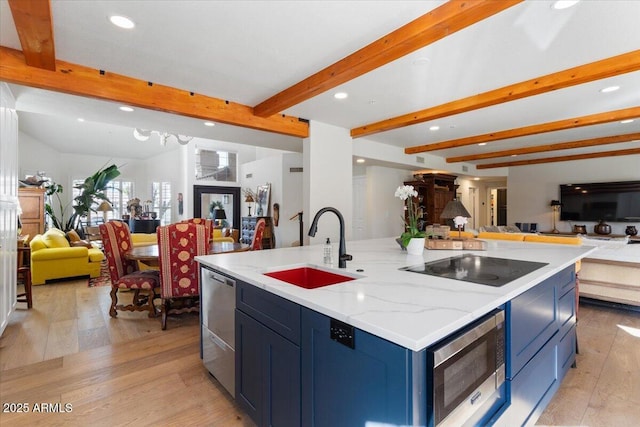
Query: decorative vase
{"type": "Point", "coordinates": [416, 246]}
{"type": "Point", "coordinates": [602, 228]}
{"type": "Point", "coordinates": [631, 230]}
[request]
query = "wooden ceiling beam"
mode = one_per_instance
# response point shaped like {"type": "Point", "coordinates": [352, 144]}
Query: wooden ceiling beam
{"type": "Point", "coordinates": [35, 30]}
{"type": "Point", "coordinates": [443, 21]}
{"type": "Point", "coordinates": [614, 139]}
{"type": "Point", "coordinates": [613, 153]}
{"type": "Point", "coordinates": [83, 81]}
{"type": "Point", "coordinates": [576, 122]}
{"type": "Point", "coordinates": [616, 65]}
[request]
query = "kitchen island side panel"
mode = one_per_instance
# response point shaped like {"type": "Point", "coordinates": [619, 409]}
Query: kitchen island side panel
{"type": "Point", "coordinates": [370, 383]}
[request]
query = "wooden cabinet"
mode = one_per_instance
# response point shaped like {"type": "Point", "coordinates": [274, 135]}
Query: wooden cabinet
{"type": "Point", "coordinates": [249, 226]}
{"type": "Point", "coordinates": [32, 204]}
{"type": "Point", "coordinates": [434, 192]}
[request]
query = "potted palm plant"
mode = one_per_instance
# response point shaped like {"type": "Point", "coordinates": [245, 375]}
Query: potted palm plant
{"type": "Point", "coordinates": [54, 189]}
{"type": "Point", "coordinates": [92, 190]}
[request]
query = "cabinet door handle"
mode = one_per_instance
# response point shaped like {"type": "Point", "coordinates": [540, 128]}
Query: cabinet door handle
{"type": "Point", "coordinates": [222, 280]}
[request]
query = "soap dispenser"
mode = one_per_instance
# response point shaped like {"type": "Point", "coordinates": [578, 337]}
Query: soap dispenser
{"type": "Point", "coordinates": [328, 253]}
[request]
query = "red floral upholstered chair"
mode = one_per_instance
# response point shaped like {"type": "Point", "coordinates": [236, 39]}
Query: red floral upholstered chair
{"type": "Point", "coordinates": [178, 245]}
{"type": "Point", "coordinates": [124, 273]}
{"type": "Point", "coordinates": [256, 243]}
{"type": "Point", "coordinates": [208, 225]}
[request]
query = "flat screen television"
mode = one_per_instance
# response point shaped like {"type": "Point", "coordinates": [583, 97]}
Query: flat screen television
{"type": "Point", "coordinates": [608, 201]}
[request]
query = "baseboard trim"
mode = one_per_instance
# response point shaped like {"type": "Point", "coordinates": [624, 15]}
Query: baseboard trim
{"type": "Point", "coordinates": [609, 304]}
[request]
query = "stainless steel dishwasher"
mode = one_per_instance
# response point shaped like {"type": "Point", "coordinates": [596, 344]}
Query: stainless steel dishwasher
{"type": "Point", "coordinates": [218, 295]}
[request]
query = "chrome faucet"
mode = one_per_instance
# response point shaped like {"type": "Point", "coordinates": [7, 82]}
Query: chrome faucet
{"type": "Point", "coordinates": [343, 256]}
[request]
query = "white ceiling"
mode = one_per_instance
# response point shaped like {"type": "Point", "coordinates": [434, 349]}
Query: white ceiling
{"type": "Point", "coordinates": [247, 51]}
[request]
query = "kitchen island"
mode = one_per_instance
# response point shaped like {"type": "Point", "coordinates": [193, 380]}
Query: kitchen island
{"type": "Point", "coordinates": [400, 309]}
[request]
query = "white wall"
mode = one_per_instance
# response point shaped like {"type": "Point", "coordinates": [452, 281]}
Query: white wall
{"type": "Point", "coordinates": [385, 212]}
{"type": "Point", "coordinates": [289, 230]}
{"type": "Point", "coordinates": [531, 188]}
{"type": "Point", "coordinates": [327, 180]}
{"type": "Point", "coordinates": [63, 168]}
{"type": "Point", "coordinates": [286, 190]}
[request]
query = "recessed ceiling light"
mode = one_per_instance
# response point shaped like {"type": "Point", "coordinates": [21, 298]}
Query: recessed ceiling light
{"type": "Point", "coordinates": [122, 22]}
{"type": "Point", "coordinates": [476, 179]}
{"type": "Point", "coordinates": [360, 161]}
{"type": "Point", "coordinates": [341, 95]}
{"type": "Point", "coordinates": [421, 61]}
{"type": "Point", "coordinates": [210, 124]}
{"type": "Point", "coordinates": [514, 155]}
{"type": "Point", "coordinates": [80, 119]}
{"type": "Point", "coordinates": [127, 109]}
{"type": "Point", "coordinates": [434, 128]}
{"type": "Point", "coordinates": [609, 89]}
{"type": "Point", "coordinates": [482, 143]}
{"type": "Point", "coordinates": [564, 4]}
{"type": "Point", "coordinates": [627, 121]}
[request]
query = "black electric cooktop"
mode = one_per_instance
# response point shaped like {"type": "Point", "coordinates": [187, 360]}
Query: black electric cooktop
{"type": "Point", "coordinates": [484, 270]}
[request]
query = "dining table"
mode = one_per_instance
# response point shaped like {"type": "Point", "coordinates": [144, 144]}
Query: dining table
{"type": "Point", "coordinates": [149, 254]}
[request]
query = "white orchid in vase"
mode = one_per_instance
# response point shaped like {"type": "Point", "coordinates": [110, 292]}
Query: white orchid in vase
{"type": "Point", "coordinates": [406, 193]}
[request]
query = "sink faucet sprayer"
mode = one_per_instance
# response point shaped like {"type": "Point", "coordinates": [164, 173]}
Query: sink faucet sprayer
{"type": "Point", "coordinates": [343, 257]}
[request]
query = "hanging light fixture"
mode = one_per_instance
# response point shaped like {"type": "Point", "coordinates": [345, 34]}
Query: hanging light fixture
{"type": "Point", "coordinates": [141, 134]}
{"type": "Point", "coordinates": [144, 135]}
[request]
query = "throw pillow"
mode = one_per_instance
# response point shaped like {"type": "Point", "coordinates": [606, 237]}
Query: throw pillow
{"type": "Point", "coordinates": [73, 236]}
{"type": "Point", "coordinates": [55, 240]}
{"type": "Point", "coordinates": [83, 243]}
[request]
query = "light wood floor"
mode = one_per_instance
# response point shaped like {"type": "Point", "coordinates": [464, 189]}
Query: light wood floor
{"type": "Point", "coordinates": [122, 371]}
{"type": "Point", "coordinates": [113, 372]}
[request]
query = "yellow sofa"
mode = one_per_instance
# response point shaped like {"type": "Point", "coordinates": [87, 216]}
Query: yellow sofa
{"type": "Point", "coordinates": [225, 235]}
{"type": "Point", "coordinates": [144, 239]}
{"type": "Point", "coordinates": [53, 257]}
{"type": "Point", "coordinates": [519, 237]}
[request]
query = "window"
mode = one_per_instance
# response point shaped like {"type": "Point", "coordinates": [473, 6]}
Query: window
{"type": "Point", "coordinates": [216, 165]}
{"type": "Point", "coordinates": [161, 198]}
{"type": "Point", "coordinates": [119, 192]}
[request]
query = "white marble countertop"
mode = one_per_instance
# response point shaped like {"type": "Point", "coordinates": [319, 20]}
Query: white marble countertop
{"type": "Point", "coordinates": [409, 309]}
{"type": "Point", "coordinates": [614, 250]}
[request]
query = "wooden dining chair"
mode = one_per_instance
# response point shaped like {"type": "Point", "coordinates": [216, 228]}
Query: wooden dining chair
{"type": "Point", "coordinates": [256, 242]}
{"type": "Point", "coordinates": [24, 274]}
{"type": "Point", "coordinates": [92, 234]}
{"type": "Point", "coordinates": [208, 224]}
{"type": "Point", "coordinates": [124, 273]}
{"type": "Point", "coordinates": [178, 245]}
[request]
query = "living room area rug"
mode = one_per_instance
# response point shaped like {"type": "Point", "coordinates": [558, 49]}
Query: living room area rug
{"type": "Point", "coordinates": [104, 279]}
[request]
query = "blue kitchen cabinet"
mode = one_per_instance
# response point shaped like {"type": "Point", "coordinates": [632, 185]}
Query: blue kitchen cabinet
{"type": "Point", "coordinates": [532, 319]}
{"type": "Point", "coordinates": [358, 379]}
{"type": "Point", "coordinates": [541, 336]}
{"type": "Point", "coordinates": [267, 357]}
{"type": "Point", "coordinates": [297, 367]}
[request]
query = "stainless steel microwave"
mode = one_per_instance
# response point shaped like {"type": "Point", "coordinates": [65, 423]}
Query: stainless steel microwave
{"type": "Point", "coordinates": [466, 372]}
